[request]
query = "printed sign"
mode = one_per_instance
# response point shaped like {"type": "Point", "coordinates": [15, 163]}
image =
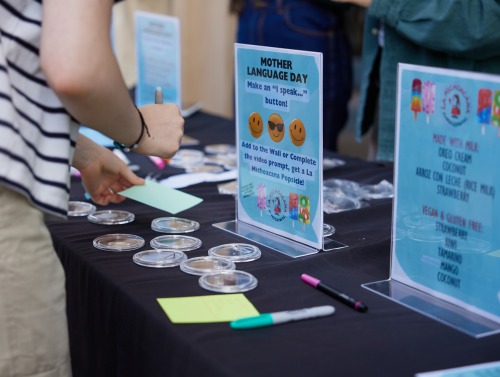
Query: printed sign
{"type": "Point", "coordinates": [446, 239]}
{"type": "Point", "coordinates": [158, 58]}
{"type": "Point", "coordinates": [279, 139]}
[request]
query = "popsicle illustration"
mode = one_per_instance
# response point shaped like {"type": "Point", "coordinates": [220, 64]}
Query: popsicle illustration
{"type": "Point", "coordinates": [495, 117]}
{"type": "Point", "coordinates": [304, 211]}
{"type": "Point", "coordinates": [261, 197]}
{"type": "Point", "coordinates": [428, 98]}
{"type": "Point", "coordinates": [416, 97]}
{"type": "Point", "coordinates": [484, 107]}
{"type": "Point", "coordinates": [293, 207]}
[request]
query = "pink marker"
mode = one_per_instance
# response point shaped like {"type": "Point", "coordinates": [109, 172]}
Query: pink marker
{"type": "Point", "coordinates": [357, 305]}
{"type": "Point", "coordinates": [158, 161]}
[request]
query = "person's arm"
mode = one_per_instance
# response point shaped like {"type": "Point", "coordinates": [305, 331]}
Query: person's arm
{"type": "Point", "coordinates": [79, 64]}
{"type": "Point", "coordinates": [103, 173]}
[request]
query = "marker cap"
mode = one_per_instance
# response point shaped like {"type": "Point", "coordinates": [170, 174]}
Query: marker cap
{"type": "Point", "coordinates": [310, 280]}
{"type": "Point", "coordinates": [251, 322]}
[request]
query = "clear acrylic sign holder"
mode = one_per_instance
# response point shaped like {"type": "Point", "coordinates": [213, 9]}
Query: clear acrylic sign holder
{"type": "Point", "coordinates": [442, 311]}
{"type": "Point", "coordinates": [266, 109]}
{"type": "Point", "coordinates": [441, 266]}
{"type": "Point", "coordinates": [273, 241]}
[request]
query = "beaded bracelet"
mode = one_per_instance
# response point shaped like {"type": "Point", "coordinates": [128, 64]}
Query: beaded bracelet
{"type": "Point", "coordinates": [144, 126]}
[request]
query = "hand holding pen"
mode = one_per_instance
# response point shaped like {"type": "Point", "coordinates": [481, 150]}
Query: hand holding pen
{"type": "Point", "coordinates": [159, 162]}
{"type": "Point", "coordinates": [165, 125]}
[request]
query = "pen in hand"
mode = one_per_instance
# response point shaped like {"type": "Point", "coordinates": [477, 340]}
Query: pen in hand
{"type": "Point", "coordinates": [356, 305]}
{"type": "Point", "coordinates": [159, 162]}
{"type": "Point", "coordinates": [158, 95]}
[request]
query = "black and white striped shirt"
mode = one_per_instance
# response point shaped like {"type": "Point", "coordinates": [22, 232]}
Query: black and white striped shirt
{"type": "Point", "coordinates": [37, 135]}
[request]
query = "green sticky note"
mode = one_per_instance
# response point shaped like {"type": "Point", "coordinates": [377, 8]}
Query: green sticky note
{"type": "Point", "coordinates": [205, 309]}
{"type": "Point", "coordinates": [161, 197]}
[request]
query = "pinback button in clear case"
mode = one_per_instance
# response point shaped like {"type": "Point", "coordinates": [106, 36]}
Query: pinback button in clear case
{"type": "Point", "coordinates": [382, 190]}
{"type": "Point", "coordinates": [111, 217]}
{"type": "Point", "coordinates": [349, 188]}
{"type": "Point", "coordinates": [230, 163]}
{"type": "Point", "coordinates": [204, 265]}
{"type": "Point", "coordinates": [175, 242]}
{"type": "Point", "coordinates": [157, 258]}
{"type": "Point", "coordinates": [216, 159]}
{"type": "Point", "coordinates": [206, 168]}
{"type": "Point", "coordinates": [118, 242]}
{"type": "Point", "coordinates": [336, 201]}
{"type": "Point", "coordinates": [328, 230]}
{"type": "Point", "coordinates": [228, 281]}
{"type": "Point", "coordinates": [220, 148]}
{"type": "Point", "coordinates": [76, 208]}
{"type": "Point", "coordinates": [187, 157]}
{"type": "Point", "coordinates": [332, 162]}
{"type": "Point", "coordinates": [237, 252]}
{"type": "Point", "coordinates": [174, 225]}
{"type": "Point", "coordinates": [229, 188]}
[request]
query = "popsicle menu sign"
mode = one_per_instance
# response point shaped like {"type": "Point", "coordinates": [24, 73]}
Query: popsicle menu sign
{"type": "Point", "coordinates": [279, 139]}
{"type": "Point", "coordinates": [446, 212]}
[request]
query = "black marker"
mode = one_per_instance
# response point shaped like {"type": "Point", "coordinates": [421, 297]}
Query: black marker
{"type": "Point", "coordinates": [357, 305]}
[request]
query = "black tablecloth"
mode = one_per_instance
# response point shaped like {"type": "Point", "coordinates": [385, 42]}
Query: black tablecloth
{"type": "Point", "coordinates": [117, 327]}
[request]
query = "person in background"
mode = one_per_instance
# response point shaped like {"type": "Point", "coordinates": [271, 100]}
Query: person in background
{"type": "Point", "coordinates": [311, 25]}
{"type": "Point", "coordinates": [57, 70]}
{"type": "Point", "coordinates": [457, 34]}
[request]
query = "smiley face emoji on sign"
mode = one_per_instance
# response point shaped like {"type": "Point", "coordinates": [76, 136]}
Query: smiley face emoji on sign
{"type": "Point", "coordinates": [297, 132]}
{"type": "Point", "coordinates": [276, 128]}
{"type": "Point", "coordinates": [255, 124]}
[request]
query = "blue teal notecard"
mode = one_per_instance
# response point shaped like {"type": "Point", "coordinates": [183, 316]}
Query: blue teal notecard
{"type": "Point", "coordinates": [158, 57]}
{"type": "Point", "coordinates": [446, 238]}
{"type": "Point", "coordinates": [279, 140]}
{"type": "Point", "coordinates": [162, 197]}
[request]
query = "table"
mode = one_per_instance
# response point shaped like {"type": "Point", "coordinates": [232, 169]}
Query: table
{"type": "Point", "coordinates": [117, 328]}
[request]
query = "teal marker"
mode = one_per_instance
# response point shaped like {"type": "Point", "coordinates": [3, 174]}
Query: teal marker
{"type": "Point", "coordinates": [270, 319]}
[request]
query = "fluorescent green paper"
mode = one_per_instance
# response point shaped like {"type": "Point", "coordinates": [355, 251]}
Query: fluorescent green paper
{"type": "Point", "coordinates": [204, 309]}
{"type": "Point", "coordinates": [161, 197]}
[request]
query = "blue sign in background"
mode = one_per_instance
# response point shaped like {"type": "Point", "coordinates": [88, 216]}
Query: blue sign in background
{"type": "Point", "coordinates": [446, 238]}
{"type": "Point", "coordinates": [158, 58]}
{"type": "Point", "coordinates": [279, 137]}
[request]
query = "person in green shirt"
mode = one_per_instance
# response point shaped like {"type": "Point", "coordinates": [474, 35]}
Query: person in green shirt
{"type": "Point", "coordinates": [457, 34]}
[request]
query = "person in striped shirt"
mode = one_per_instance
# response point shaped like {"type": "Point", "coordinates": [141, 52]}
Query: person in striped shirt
{"type": "Point", "coordinates": [57, 70]}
